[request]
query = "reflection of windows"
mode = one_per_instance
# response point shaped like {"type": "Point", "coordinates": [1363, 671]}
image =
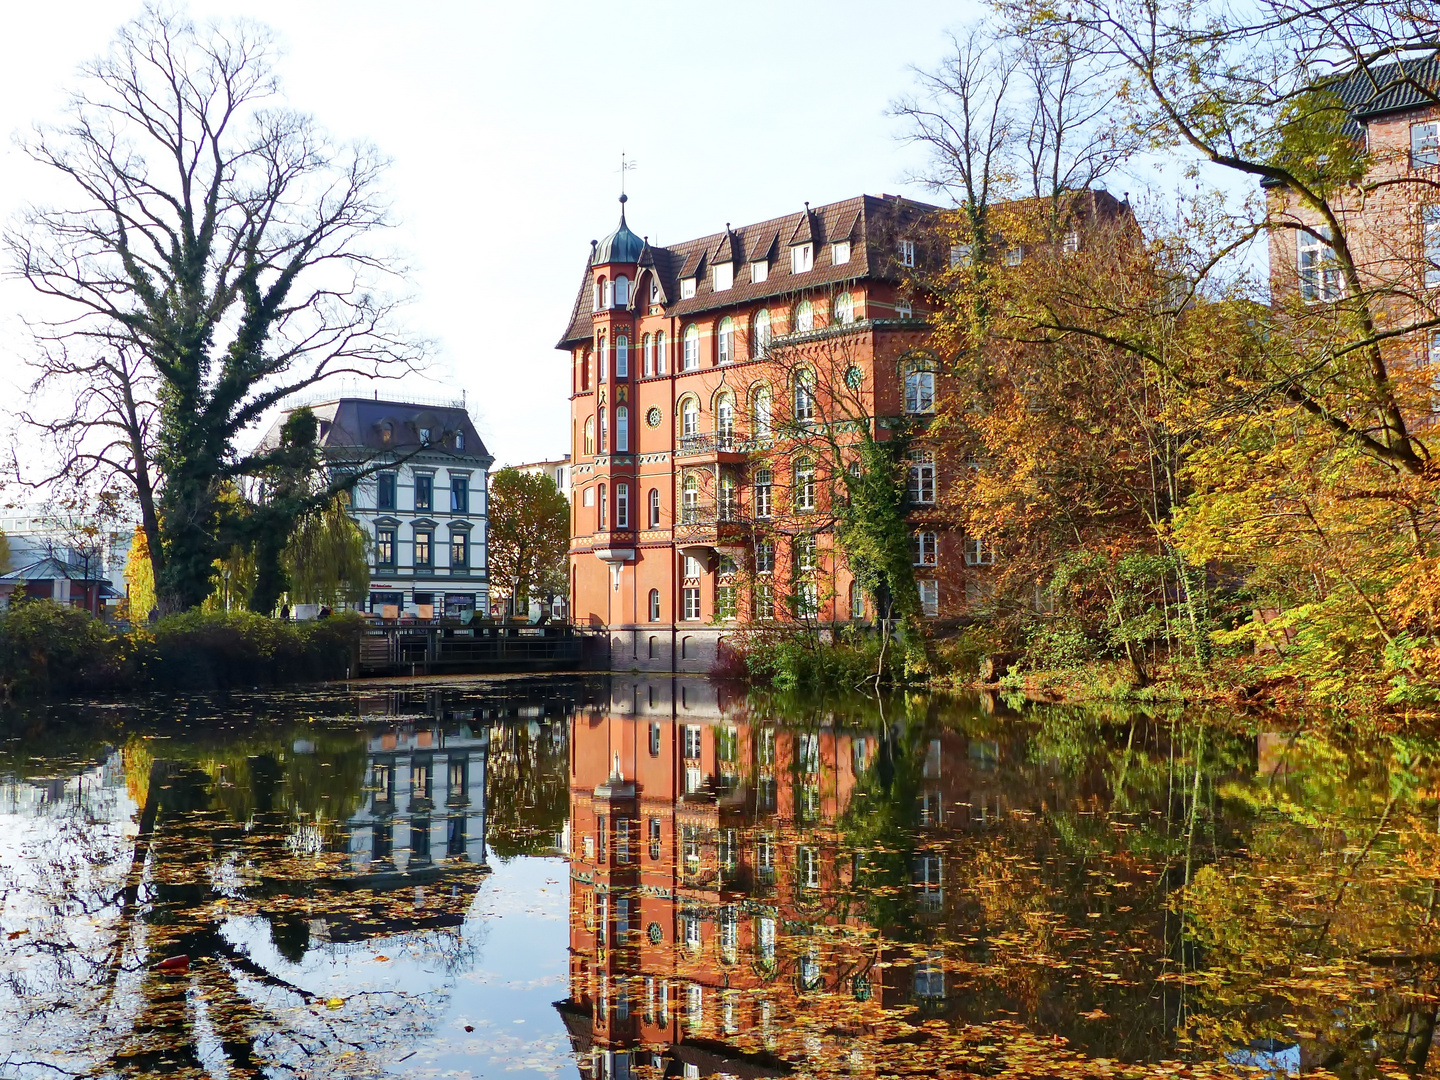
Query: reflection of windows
{"type": "Point", "coordinates": [729, 934]}
{"type": "Point", "coordinates": [622, 841]}
{"type": "Point", "coordinates": [765, 793]}
{"type": "Point", "coordinates": [765, 862]}
{"type": "Point", "coordinates": [691, 930]}
{"type": "Point", "coordinates": [655, 838]}
{"type": "Point", "coordinates": [695, 997]}
{"type": "Point", "coordinates": [807, 867]}
{"type": "Point", "coordinates": [809, 801]}
{"type": "Point", "coordinates": [729, 1015]}
{"type": "Point", "coordinates": [690, 855]}
{"type": "Point", "coordinates": [726, 851]}
{"type": "Point", "coordinates": [930, 976]}
{"type": "Point", "coordinates": [809, 969]}
{"type": "Point", "coordinates": [929, 881]}
{"type": "Point", "coordinates": [807, 753]}
{"type": "Point", "coordinates": [692, 740]}
{"type": "Point", "coordinates": [765, 746]}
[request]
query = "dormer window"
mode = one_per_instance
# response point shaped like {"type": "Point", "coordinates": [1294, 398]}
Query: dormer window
{"type": "Point", "coordinates": [840, 252]}
{"type": "Point", "coordinates": [687, 288]}
{"type": "Point", "coordinates": [907, 252]}
{"type": "Point", "coordinates": [802, 258]}
{"type": "Point", "coordinates": [459, 440]}
{"type": "Point", "coordinates": [724, 276]}
{"type": "Point", "coordinates": [424, 435]}
{"type": "Point", "coordinates": [654, 291]}
{"type": "Point", "coordinates": [387, 433]}
{"type": "Point", "coordinates": [760, 271]}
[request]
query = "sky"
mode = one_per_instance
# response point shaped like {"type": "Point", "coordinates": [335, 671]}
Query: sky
{"type": "Point", "coordinates": [506, 124]}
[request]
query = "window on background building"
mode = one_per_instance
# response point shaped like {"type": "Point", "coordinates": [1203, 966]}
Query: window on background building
{"type": "Point", "coordinates": [647, 356]}
{"type": "Point", "coordinates": [622, 357]}
{"type": "Point", "coordinates": [844, 309]}
{"type": "Point", "coordinates": [857, 601]}
{"type": "Point", "coordinates": [803, 320]}
{"type": "Point", "coordinates": [802, 258]}
{"type": "Point", "coordinates": [840, 252]}
{"type": "Point", "coordinates": [622, 506]}
{"type": "Point", "coordinates": [689, 417]}
{"type": "Point", "coordinates": [1071, 243]}
{"type": "Point", "coordinates": [385, 491]}
{"type": "Point", "coordinates": [590, 436]}
{"type": "Point", "coordinates": [920, 392]}
{"type": "Point", "coordinates": [660, 357]}
{"type": "Point", "coordinates": [1430, 226]}
{"type": "Point", "coordinates": [722, 276]}
{"type": "Point", "coordinates": [602, 511]}
{"type": "Point", "coordinates": [929, 596]}
{"type": "Point", "coordinates": [1425, 145]}
{"type": "Point", "coordinates": [459, 551]}
{"type": "Point", "coordinates": [424, 492]}
{"type": "Point", "coordinates": [760, 333]}
{"type": "Point", "coordinates": [384, 547]}
{"type": "Point", "coordinates": [622, 429]}
{"type": "Point", "coordinates": [978, 552]}
{"type": "Point", "coordinates": [907, 252]}
{"type": "Point", "coordinates": [764, 482]}
{"type": "Point", "coordinates": [760, 271]}
{"type": "Point", "coordinates": [923, 548]}
{"type": "Point", "coordinates": [604, 416]}
{"type": "Point", "coordinates": [424, 552]}
{"type": "Point", "coordinates": [763, 422]}
{"type": "Point", "coordinates": [959, 256]}
{"type": "Point", "coordinates": [921, 489]}
{"type": "Point", "coordinates": [1315, 260]}
{"type": "Point", "coordinates": [687, 288]}
{"type": "Point", "coordinates": [804, 396]}
{"type": "Point", "coordinates": [692, 347]}
{"type": "Point", "coordinates": [655, 608]}
{"type": "Point", "coordinates": [903, 310]}
{"type": "Point", "coordinates": [622, 291]}
{"type": "Point", "coordinates": [726, 343]}
{"type": "Point", "coordinates": [459, 494]}
{"type": "Point", "coordinates": [654, 508]}
{"type": "Point", "coordinates": [691, 598]}
{"type": "Point", "coordinates": [602, 355]}
{"type": "Point", "coordinates": [1014, 256]}
{"type": "Point", "coordinates": [804, 486]}
{"type": "Point", "coordinates": [765, 557]}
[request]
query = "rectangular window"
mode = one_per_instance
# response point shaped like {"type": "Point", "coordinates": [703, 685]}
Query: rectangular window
{"type": "Point", "coordinates": [459, 494]}
{"type": "Point", "coordinates": [802, 552]}
{"type": "Point", "coordinates": [765, 946]}
{"type": "Point", "coordinates": [760, 271]}
{"type": "Point", "coordinates": [723, 276]}
{"type": "Point", "coordinates": [687, 288]}
{"type": "Point", "coordinates": [459, 551]}
{"type": "Point", "coordinates": [1425, 145]}
{"type": "Point", "coordinates": [1071, 243]}
{"type": "Point", "coordinates": [921, 489]}
{"type": "Point", "coordinates": [725, 605]}
{"type": "Point", "coordinates": [929, 596]}
{"type": "Point", "coordinates": [424, 552]}
{"type": "Point", "coordinates": [729, 931]}
{"type": "Point", "coordinates": [385, 491]}
{"type": "Point", "coordinates": [691, 596]}
{"type": "Point", "coordinates": [690, 848]}
{"type": "Point", "coordinates": [903, 309]}
{"type": "Point", "coordinates": [763, 506]}
{"type": "Point", "coordinates": [804, 487]}
{"type": "Point", "coordinates": [978, 552]}
{"type": "Point", "coordinates": [764, 602]}
{"type": "Point", "coordinates": [840, 252]}
{"type": "Point", "coordinates": [693, 567]}
{"type": "Point", "coordinates": [924, 548]}
{"type": "Point", "coordinates": [1014, 256]}
{"type": "Point", "coordinates": [622, 855]}
{"type": "Point", "coordinates": [622, 506]}
{"type": "Point", "coordinates": [807, 866]}
{"type": "Point", "coordinates": [764, 557]}
{"type": "Point", "coordinates": [802, 258]}
{"type": "Point", "coordinates": [1315, 261]}
{"type": "Point", "coordinates": [765, 857]}
{"type": "Point", "coordinates": [384, 547]}
{"type": "Point", "coordinates": [857, 600]}
{"type": "Point", "coordinates": [907, 252]}
{"type": "Point", "coordinates": [807, 599]}
{"type": "Point", "coordinates": [1430, 224]}
{"type": "Point", "coordinates": [692, 740]}
{"type": "Point", "coordinates": [424, 492]}
{"type": "Point", "coordinates": [959, 256]}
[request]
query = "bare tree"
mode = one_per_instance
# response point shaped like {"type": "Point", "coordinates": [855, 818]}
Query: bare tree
{"type": "Point", "coordinates": [217, 255]}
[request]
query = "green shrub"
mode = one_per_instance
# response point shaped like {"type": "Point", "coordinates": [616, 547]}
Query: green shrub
{"type": "Point", "coordinates": [789, 660]}
{"type": "Point", "coordinates": [49, 648]}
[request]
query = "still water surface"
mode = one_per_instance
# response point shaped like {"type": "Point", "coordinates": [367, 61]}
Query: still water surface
{"type": "Point", "coordinates": [631, 877]}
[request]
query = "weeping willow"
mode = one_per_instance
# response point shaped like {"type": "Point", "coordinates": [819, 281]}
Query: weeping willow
{"type": "Point", "coordinates": [327, 558]}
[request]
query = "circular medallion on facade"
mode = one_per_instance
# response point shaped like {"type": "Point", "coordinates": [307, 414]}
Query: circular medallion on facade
{"type": "Point", "coordinates": [653, 416]}
{"type": "Point", "coordinates": [853, 378]}
{"type": "Point", "coordinates": [655, 934]}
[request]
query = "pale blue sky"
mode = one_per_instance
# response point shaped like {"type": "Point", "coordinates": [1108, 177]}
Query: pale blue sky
{"type": "Point", "coordinates": [506, 123]}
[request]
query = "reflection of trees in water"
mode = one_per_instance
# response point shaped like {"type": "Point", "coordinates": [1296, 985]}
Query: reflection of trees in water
{"type": "Point", "coordinates": [242, 834]}
{"type": "Point", "coordinates": [527, 791]}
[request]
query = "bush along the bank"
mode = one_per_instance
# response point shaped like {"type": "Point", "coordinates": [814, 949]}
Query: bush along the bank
{"type": "Point", "coordinates": [49, 649]}
{"type": "Point", "coordinates": [791, 659]}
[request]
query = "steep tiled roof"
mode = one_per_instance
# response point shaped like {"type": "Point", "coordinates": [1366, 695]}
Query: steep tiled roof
{"type": "Point", "coordinates": [870, 223]}
{"type": "Point", "coordinates": [349, 423]}
{"type": "Point", "coordinates": [1390, 87]}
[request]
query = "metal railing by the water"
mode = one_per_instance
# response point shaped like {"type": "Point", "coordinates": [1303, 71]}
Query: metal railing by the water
{"type": "Point", "coordinates": [452, 646]}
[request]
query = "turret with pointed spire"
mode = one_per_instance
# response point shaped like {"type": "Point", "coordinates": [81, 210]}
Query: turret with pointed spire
{"type": "Point", "coordinates": [621, 246]}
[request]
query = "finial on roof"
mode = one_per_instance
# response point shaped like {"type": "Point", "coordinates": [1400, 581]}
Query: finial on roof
{"type": "Point", "coordinates": [807, 206]}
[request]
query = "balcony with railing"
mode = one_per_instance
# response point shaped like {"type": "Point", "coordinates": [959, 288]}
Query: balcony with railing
{"type": "Point", "coordinates": [711, 523]}
{"type": "Point", "coordinates": [725, 446]}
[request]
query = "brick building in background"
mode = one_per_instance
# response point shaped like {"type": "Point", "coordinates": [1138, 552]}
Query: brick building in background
{"type": "Point", "coordinates": [707, 380]}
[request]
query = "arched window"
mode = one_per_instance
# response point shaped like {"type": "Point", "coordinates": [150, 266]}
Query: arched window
{"type": "Point", "coordinates": [599, 293]}
{"type": "Point", "coordinates": [760, 334]}
{"type": "Point", "coordinates": [725, 416]}
{"type": "Point", "coordinates": [804, 398]}
{"type": "Point", "coordinates": [729, 499]}
{"type": "Point", "coordinates": [689, 417]}
{"type": "Point", "coordinates": [590, 436]}
{"type": "Point", "coordinates": [844, 309]}
{"type": "Point", "coordinates": [660, 359]}
{"type": "Point", "coordinates": [764, 426]}
{"type": "Point", "coordinates": [602, 510]}
{"type": "Point", "coordinates": [692, 347]}
{"type": "Point", "coordinates": [647, 356]}
{"type": "Point", "coordinates": [654, 608]}
{"type": "Point", "coordinates": [584, 372]}
{"type": "Point", "coordinates": [689, 500]}
{"type": "Point", "coordinates": [602, 355]}
{"type": "Point", "coordinates": [622, 506]}
{"type": "Point", "coordinates": [604, 430]}
{"type": "Point", "coordinates": [622, 356]}
{"type": "Point", "coordinates": [727, 340]}
{"type": "Point", "coordinates": [622, 291]}
{"type": "Point", "coordinates": [654, 508]}
{"type": "Point", "coordinates": [622, 429]}
{"type": "Point", "coordinates": [607, 294]}
{"type": "Point", "coordinates": [919, 391]}
{"type": "Point", "coordinates": [804, 320]}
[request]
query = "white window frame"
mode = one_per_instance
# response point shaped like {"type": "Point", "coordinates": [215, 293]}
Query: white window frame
{"type": "Point", "coordinates": [804, 315]}
{"type": "Point", "coordinates": [725, 342]}
{"type": "Point", "coordinates": [654, 605]}
{"type": "Point", "coordinates": [692, 347]}
{"type": "Point", "coordinates": [844, 309]}
{"type": "Point", "coordinates": [903, 310]}
{"type": "Point", "coordinates": [760, 271]}
{"type": "Point", "coordinates": [622, 356]}
{"type": "Point", "coordinates": [1425, 144]}
{"type": "Point", "coordinates": [802, 258]}
{"type": "Point", "coordinates": [804, 485]}
{"type": "Point", "coordinates": [804, 396]}
{"type": "Point", "coordinates": [622, 504]}
{"type": "Point", "coordinates": [959, 256]}
{"type": "Point", "coordinates": [919, 392]}
{"type": "Point", "coordinates": [978, 552]}
{"type": "Point", "coordinates": [929, 596]}
{"type": "Point", "coordinates": [764, 494]}
{"type": "Point", "coordinates": [1014, 256]}
{"type": "Point", "coordinates": [840, 252]}
{"type": "Point", "coordinates": [1430, 243]}
{"type": "Point", "coordinates": [925, 548]}
{"type": "Point", "coordinates": [907, 252]}
{"type": "Point", "coordinates": [1315, 265]}
{"type": "Point", "coordinates": [691, 597]}
{"type": "Point", "coordinates": [765, 557]}
{"type": "Point", "coordinates": [807, 867]}
{"type": "Point", "coordinates": [622, 429]}
{"type": "Point", "coordinates": [687, 288]}
{"type": "Point", "coordinates": [722, 276]}
{"type": "Point", "coordinates": [689, 417]}
{"type": "Point", "coordinates": [921, 490]}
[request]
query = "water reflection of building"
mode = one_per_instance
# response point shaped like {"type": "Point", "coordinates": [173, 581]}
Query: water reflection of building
{"type": "Point", "coordinates": [426, 799]}
{"type": "Point", "coordinates": [713, 895]}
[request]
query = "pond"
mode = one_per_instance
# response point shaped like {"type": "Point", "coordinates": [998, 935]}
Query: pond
{"type": "Point", "coordinates": [631, 877]}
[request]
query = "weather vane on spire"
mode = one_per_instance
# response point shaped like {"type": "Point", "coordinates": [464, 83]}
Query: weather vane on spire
{"type": "Point", "coordinates": [625, 166]}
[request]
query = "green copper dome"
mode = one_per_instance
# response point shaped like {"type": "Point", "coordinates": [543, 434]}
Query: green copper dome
{"type": "Point", "coordinates": [621, 246]}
